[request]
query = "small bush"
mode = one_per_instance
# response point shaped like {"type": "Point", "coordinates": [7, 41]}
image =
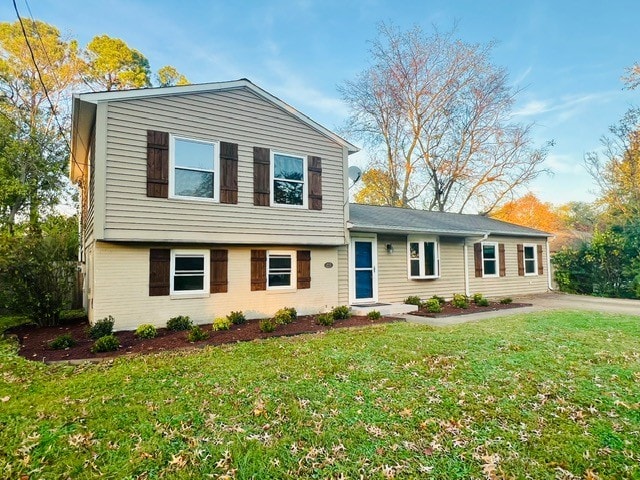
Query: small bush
{"type": "Point", "coordinates": [146, 331]}
{"type": "Point", "coordinates": [413, 300]}
{"type": "Point", "coordinates": [477, 297]}
{"type": "Point", "coordinates": [483, 302]}
{"type": "Point", "coordinates": [325, 319]}
{"type": "Point", "coordinates": [108, 343]}
{"type": "Point", "coordinates": [101, 328]}
{"type": "Point", "coordinates": [179, 323]}
{"type": "Point", "coordinates": [285, 315]}
{"type": "Point", "coordinates": [62, 341]}
{"type": "Point", "coordinates": [460, 300]}
{"type": "Point", "coordinates": [341, 312]}
{"type": "Point", "coordinates": [267, 325]}
{"type": "Point", "coordinates": [506, 301]}
{"type": "Point", "coordinates": [221, 323]}
{"type": "Point", "coordinates": [196, 334]}
{"type": "Point", "coordinates": [72, 315]}
{"type": "Point", "coordinates": [236, 318]}
{"type": "Point", "coordinates": [433, 305]}
{"type": "Point", "coordinates": [440, 300]}
{"type": "Point", "coordinates": [374, 315]}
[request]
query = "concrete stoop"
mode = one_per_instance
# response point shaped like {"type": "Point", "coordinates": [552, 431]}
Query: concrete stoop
{"type": "Point", "coordinates": [386, 309]}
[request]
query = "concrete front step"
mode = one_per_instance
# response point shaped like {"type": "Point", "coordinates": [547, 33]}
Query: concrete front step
{"type": "Point", "coordinates": [386, 309]}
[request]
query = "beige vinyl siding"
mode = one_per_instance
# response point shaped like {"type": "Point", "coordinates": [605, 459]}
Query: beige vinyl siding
{"type": "Point", "coordinates": [343, 274]}
{"type": "Point", "coordinates": [121, 288]}
{"type": "Point", "coordinates": [237, 116]}
{"type": "Point", "coordinates": [394, 284]}
{"type": "Point", "coordinates": [512, 284]}
{"type": "Point", "coordinates": [89, 193]}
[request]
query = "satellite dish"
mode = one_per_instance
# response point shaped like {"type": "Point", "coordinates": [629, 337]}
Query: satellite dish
{"type": "Point", "coordinates": [354, 173]}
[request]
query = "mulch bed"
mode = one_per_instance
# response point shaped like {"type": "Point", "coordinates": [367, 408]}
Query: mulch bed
{"type": "Point", "coordinates": [449, 310]}
{"type": "Point", "coordinates": [34, 340]}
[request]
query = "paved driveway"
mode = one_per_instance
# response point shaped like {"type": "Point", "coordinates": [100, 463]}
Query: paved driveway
{"type": "Point", "coordinates": [541, 302]}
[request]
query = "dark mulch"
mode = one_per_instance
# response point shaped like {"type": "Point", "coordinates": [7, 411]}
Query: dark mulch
{"type": "Point", "coordinates": [449, 310]}
{"type": "Point", "coordinates": [34, 340]}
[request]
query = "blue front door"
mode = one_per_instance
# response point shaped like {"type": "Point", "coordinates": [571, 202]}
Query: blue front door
{"type": "Point", "coordinates": [364, 269]}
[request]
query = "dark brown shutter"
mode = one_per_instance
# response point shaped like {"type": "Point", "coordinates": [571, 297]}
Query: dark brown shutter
{"type": "Point", "coordinates": [477, 257]}
{"type": "Point", "coordinates": [228, 172]}
{"type": "Point", "coordinates": [503, 263]}
{"type": "Point", "coordinates": [521, 260]}
{"type": "Point", "coordinates": [304, 269]}
{"type": "Point", "coordinates": [218, 260]}
{"type": "Point", "coordinates": [261, 176]}
{"type": "Point", "coordinates": [315, 183]}
{"type": "Point", "coordinates": [159, 271]}
{"type": "Point", "coordinates": [157, 164]}
{"type": "Point", "coordinates": [258, 270]}
{"type": "Point", "coordinates": [540, 264]}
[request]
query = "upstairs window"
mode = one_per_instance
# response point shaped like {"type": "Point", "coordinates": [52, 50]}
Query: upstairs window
{"type": "Point", "coordinates": [530, 260]}
{"type": "Point", "coordinates": [194, 169]}
{"type": "Point", "coordinates": [490, 266]}
{"type": "Point", "coordinates": [189, 271]}
{"type": "Point", "coordinates": [289, 180]}
{"type": "Point", "coordinates": [422, 258]}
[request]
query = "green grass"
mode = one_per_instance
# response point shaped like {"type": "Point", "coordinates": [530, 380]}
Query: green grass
{"type": "Point", "coordinates": [551, 395]}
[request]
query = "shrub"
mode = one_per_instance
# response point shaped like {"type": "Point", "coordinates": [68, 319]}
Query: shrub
{"type": "Point", "coordinates": [196, 334]}
{"type": "Point", "coordinates": [221, 323]}
{"type": "Point", "coordinates": [285, 315]}
{"type": "Point", "coordinates": [483, 302]}
{"type": "Point", "coordinates": [433, 305]}
{"type": "Point", "coordinates": [374, 315]}
{"type": "Point", "coordinates": [477, 297]}
{"type": "Point", "coordinates": [267, 325]}
{"type": "Point", "coordinates": [179, 323]}
{"type": "Point", "coordinates": [236, 318]}
{"type": "Point", "coordinates": [73, 315]}
{"type": "Point", "coordinates": [460, 300]}
{"type": "Point", "coordinates": [62, 341]}
{"type": "Point", "coordinates": [101, 328]}
{"type": "Point", "coordinates": [108, 343]}
{"type": "Point", "coordinates": [506, 301]}
{"type": "Point", "coordinates": [440, 300]}
{"type": "Point", "coordinates": [146, 331]}
{"type": "Point", "coordinates": [413, 300]}
{"type": "Point", "coordinates": [341, 312]}
{"type": "Point", "coordinates": [325, 319]}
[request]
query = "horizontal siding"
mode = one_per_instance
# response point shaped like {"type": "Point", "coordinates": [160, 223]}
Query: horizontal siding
{"type": "Point", "coordinates": [121, 289]}
{"type": "Point", "coordinates": [236, 116]}
{"type": "Point", "coordinates": [512, 284]}
{"type": "Point", "coordinates": [343, 275]}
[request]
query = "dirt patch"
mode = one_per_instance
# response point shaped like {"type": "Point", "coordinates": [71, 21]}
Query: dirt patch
{"type": "Point", "coordinates": [449, 310]}
{"type": "Point", "coordinates": [34, 341]}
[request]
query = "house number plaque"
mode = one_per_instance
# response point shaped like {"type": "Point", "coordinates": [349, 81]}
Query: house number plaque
{"type": "Point", "coordinates": [328, 265]}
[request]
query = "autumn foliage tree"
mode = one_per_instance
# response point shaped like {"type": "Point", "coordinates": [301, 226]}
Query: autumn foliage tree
{"type": "Point", "coordinates": [529, 211]}
{"type": "Point", "coordinates": [378, 188]}
{"type": "Point", "coordinates": [436, 114]}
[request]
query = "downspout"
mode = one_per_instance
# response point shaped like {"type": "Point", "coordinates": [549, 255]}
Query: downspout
{"type": "Point", "coordinates": [466, 262]}
{"type": "Point", "coordinates": [549, 284]}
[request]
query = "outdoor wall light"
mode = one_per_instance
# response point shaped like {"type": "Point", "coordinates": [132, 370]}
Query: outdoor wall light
{"type": "Point", "coordinates": [389, 248]}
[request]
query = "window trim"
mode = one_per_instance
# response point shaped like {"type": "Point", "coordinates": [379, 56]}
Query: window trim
{"type": "Point", "coordinates": [207, 273]}
{"type": "Point", "coordinates": [496, 246]}
{"type": "Point", "coordinates": [294, 270]}
{"type": "Point", "coordinates": [534, 247]}
{"type": "Point", "coordinates": [272, 179]}
{"type": "Point", "coordinates": [172, 168]}
{"type": "Point", "coordinates": [421, 240]}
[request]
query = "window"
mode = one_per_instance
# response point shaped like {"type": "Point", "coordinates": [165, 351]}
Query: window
{"type": "Point", "coordinates": [490, 267]}
{"type": "Point", "coordinates": [189, 271]}
{"type": "Point", "coordinates": [289, 174]}
{"type": "Point", "coordinates": [530, 260]}
{"type": "Point", "coordinates": [423, 258]}
{"type": "Point", "coordinates": [195, 165]}
{"type": "Point", "coordinates": [280, 271]}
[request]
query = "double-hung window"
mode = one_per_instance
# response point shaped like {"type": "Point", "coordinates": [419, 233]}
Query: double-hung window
{"type": "Point", "coordinates": [289, 180]}
{"type": "Point", "coordinates": [530, 260]}
{"type": "Point", "coordinates": [490, 262]}
{"type": "Point", "coordinates": [189, 271]}
{"type": "Point", "coordinates": [280, 270]}
{"type": "Point", "coordinates": [423, 258]}
{"type": "Point", "coordinates": [195, 165]}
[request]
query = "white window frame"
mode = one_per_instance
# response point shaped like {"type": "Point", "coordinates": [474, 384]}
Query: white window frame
{"type": "Point", "coordinates": [535, 259]}
{"type": "Point", "coordinates": [205, 283]}
{"type": "Point", "coordinates": [294, 269]}
{"type": "Point", "coordinates": [497, 260]}
{"type": "Point", "coordinates": [272, 179]}
{"type": "Point", "coordinates": [421, 257]}
{"type": "Point", "coordinates": [216, 168]}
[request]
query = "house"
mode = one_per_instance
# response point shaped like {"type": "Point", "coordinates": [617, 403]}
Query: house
{"type": "Point", "coordinates": [203, 199]}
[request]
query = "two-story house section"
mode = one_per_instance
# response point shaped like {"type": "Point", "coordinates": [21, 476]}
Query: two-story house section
{"type": "Point", "coordinates": [202, 199]}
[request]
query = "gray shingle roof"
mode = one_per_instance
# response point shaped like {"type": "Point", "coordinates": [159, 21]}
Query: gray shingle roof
{"type": "Point", "coordinates": [370, 218]}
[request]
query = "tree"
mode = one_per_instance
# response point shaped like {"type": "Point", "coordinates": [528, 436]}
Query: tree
{"type": "Point", "coordinates": [436, 113]}
{"type": "Point", "coordinates": [529, 211]}
{"type": "Point", "coordinates": [378, 189]}
{"type": "Point", "coordinates": [113, 65]}
{"type": "Point", "coordinates": [632, 79]}
{"type": "Point", "coordinates": [168, 76]}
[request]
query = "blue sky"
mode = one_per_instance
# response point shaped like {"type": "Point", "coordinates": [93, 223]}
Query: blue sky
{"type": "Point", "coordinates": [567, 57]}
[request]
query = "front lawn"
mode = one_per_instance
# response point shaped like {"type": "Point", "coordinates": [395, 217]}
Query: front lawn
{"type": "Point", "coordinates": [551, 395]}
